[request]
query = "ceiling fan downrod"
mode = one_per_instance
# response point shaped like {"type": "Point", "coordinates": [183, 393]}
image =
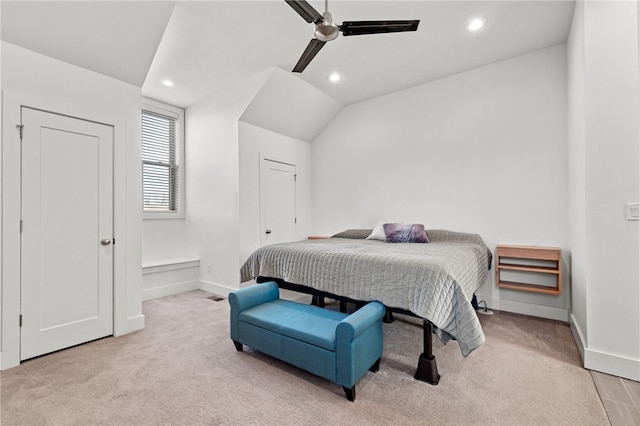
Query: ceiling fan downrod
{"type": "Point", "coordinates": [326, 30]}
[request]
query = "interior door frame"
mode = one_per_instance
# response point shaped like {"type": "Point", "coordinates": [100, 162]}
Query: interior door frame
{"type": "Point", "coordinates": [10, 193]}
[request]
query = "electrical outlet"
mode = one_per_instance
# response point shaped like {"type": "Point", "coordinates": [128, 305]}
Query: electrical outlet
{"type": "Point", "coordinates": [632, 211]}
{"type": "Point", "coordinates": [209, 268]}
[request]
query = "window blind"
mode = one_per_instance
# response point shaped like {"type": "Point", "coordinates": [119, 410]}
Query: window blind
{"type": "Point", "coordinates": [160, 162]}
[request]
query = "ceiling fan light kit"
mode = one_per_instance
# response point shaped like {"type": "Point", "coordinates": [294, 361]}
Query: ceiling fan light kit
{"type": "Point", "coordinates": [326, 30]}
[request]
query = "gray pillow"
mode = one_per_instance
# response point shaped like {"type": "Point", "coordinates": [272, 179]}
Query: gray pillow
{"type": "Point", "coordinates": [356, 234]}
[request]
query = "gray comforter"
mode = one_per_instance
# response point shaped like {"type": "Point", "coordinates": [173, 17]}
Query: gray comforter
{"type": "Point", "coordinates": [435, 280]}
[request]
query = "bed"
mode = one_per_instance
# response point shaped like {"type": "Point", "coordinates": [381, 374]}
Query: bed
{"type": "Point", "coordinates": [435, 281]}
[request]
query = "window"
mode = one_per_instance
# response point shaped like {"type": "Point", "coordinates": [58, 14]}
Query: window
{"type": "Point", "coordinates": [162, 154]}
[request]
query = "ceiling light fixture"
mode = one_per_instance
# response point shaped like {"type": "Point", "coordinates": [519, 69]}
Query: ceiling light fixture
{"type": "Point", "coordinates": [334, 77]}
{"type": "Point", "coordinates": [167, 83]}
{"type": "Point", "coordinates": [476, 24]}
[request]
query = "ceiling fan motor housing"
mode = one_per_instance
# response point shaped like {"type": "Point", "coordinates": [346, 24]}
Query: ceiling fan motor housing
{"type": "Point", "coordinates": [326, 30]}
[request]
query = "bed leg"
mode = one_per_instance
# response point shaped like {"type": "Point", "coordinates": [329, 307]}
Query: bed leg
{"type": "Point", "coordinates": [388, 317]}
{"type": "Point", "coordinates": [427, 370]}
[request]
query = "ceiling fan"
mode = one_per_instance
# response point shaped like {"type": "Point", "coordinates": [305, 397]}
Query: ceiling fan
{"type": "Point", "coordinates": [326, 30]}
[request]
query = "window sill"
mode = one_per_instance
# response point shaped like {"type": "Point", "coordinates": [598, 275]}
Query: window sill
{"type": "Point", "coordinates": [164, 265]}
{"type": "Point", "coordinates": [162, 215]}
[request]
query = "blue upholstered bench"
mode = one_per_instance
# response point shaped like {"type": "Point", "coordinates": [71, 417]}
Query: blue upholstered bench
{"type": "Point", "coordinates": [333, 345]}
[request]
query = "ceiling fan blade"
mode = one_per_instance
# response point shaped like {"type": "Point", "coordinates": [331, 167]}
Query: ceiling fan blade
{"type": "Point", "coordinates": [309, 53]}
{"type": "Point", "coordinates": [349, 28]}
{"type": "Point", "coordinates": [305, 10]}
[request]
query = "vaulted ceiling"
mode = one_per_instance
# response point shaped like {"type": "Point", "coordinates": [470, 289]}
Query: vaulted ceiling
{"type": "Point", "coordinates": [205, 46]}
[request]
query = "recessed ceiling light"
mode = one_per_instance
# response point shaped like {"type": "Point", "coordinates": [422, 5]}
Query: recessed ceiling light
{"type": "Point", "coordinates": [476, 24]}
{"type": "Point", "coordinates": [334, 77]}
{"type": "Point", "coordinates": [167, 83]}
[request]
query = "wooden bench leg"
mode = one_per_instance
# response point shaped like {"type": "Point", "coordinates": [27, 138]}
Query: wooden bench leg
{"type": "Point", "coordinates": [375, 367]}
{"type": "Point", "coordinates": [238, 346]}
{"type": "Point", "coordinates": [350, 393]}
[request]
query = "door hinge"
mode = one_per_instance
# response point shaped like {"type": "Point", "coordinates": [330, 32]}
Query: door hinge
{"type": "Point", "coordinates": [20, 128]}
{"type": "Point", "coordinates": [21, 226]}
{"type": "Point", "coordinates": [295, 220]}
{"type": "Point", "coordinates": [295, 177]}
{"type": "Point", "coordinates": [20, 320]}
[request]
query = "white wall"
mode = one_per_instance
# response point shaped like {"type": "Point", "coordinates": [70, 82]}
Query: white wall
{"type": "Point", "coordinates": [169, 276]}
{"type": "Point", "coordinates": [212, 183]}
{"type": "Point", "coordinates": [255, 141]}
{"type": "Point", "coordinates": [225, 136]}
{"type": "Point", "coordinates": [38, 81]}
{"type": "Point", "coordinates": [290, 106]}
{"type": "Point", "coordinates": [483, 151]}
{"type": "Point", "coordinates": [577, 173]}
{"type": "Point", "coordinates": [604, 129]}
{"type": "Point", "coordinates": [165, 239]}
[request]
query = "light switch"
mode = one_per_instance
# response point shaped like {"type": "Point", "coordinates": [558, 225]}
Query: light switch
{"type": "Point", "coordinates": [633, 212]}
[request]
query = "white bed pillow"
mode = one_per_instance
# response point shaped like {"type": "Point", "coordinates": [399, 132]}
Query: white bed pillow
{"type": "Point", "coordinates": [378, 231]}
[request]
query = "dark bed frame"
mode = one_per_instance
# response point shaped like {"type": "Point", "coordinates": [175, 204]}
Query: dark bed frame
{"type": "Point", "coordinates": [427, 370]}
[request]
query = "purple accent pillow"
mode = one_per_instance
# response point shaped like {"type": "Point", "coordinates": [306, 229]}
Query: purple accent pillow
{"type": "Point", "coordinates": [405, 233]}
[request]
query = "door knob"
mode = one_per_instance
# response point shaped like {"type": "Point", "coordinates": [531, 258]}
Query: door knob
{"type": "Point", "coordinates": [105, 241]}
{"type": "Point", "coordinates": [268, 231]}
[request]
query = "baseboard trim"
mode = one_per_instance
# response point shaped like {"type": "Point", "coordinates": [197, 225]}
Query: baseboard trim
{"type": "Point", "coordinates": [612, 364]}
{"type": "Point", "coordinates": [601, 361]}
{"type": "Point", "coordinates": [9, 362]}
{"type": "Point", "coordinates": [168, 290]}
{"type": "Point", "coordinates": [542, 311]}
{"type": "Point", "coordinates": [215, 288]}
{"type": "Point", "coordinates": [577, 336]}
{"type": "Point", "coordinates": [132, 324]}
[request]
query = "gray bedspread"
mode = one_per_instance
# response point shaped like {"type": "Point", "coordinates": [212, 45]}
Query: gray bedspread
{"type": "Point", "coordinates": [435, 281]}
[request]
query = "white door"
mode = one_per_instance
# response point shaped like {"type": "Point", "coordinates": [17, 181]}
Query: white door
{"type": "Point", "coordinates": [67, 232]}
{"type": "Point", "coordinates": [277, 202]}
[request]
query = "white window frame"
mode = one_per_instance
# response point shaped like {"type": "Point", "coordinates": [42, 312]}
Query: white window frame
{"type": "Point", "coordinates": [171, 111]}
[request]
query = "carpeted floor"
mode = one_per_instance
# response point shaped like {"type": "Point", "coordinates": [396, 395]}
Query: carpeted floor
{"type": "Point", "coordinates": [183, 369]}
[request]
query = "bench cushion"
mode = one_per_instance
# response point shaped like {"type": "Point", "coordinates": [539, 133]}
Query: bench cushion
{"type": "Point", "coordinates": [307, 323]}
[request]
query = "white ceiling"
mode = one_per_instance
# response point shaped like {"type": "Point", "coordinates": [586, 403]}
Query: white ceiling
{"type": "Point", "coordinates": [205, 46]}
{"type": "Point", "coordinates": [118, 39]}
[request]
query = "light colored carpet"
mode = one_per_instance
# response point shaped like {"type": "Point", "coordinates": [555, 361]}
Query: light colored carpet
{"type": "Point", "coordinates": [183, 369]}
